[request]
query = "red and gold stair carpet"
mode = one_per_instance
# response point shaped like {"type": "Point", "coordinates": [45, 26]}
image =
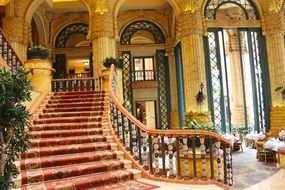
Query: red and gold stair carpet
{"type": "Point", "coordinates": [71, 147]}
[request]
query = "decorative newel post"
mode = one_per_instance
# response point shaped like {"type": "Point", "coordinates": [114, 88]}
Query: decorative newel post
{"type": "Point", "coordinates": [40, 68]}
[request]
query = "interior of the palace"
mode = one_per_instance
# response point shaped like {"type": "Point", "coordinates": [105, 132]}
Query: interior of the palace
{"type": "Point", "coordinates": [230, 51]}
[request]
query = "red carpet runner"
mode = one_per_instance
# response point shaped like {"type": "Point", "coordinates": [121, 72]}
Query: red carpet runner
{"type": "Point", "coordinates": [71, 147]}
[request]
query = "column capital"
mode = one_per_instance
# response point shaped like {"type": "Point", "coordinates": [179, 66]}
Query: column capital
{"type": "Point", "coordinates": [189, 23]}
{"type": "Point", "coordinates": [273, 22]}
{"type": "Point", "coordinates": [101, 25]}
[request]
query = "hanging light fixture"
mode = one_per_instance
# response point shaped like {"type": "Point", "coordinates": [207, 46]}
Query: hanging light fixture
{"type": "Point", "coordinates": [102, 6]}
{"type": "Point", "coordinates": [275, 5]}
{"type": "Point", "coordinates": [191, 5]}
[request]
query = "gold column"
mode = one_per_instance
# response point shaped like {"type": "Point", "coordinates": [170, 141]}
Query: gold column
{"type": "Point", "coordinates": [274, 25]}
{"type": "Point", "coordinates": [190, 28]}
{"type": "Point", "coordinates": [237, 101]}
{"type": "Point", "coordinates": [103, 40]}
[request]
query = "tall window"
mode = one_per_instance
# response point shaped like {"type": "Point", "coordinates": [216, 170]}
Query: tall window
{"type": "Point", "coordinates": [143, 69]}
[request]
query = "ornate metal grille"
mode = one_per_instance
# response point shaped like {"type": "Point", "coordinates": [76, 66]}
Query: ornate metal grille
{"type": "Point", "coordinates": [162, 90]}
{"type": "Point", "coordinates": [215, 75]}
{"type": "Point", "coordinates": [127, 81]}
{"type": "Point", "coordinates": [257, 73]}
{"type": "Point", "coordinates": [67, 31]}
{"type": "Point", "coordinates": [247, 6]}
{"type": "Point", "coordinates": [142, 25]}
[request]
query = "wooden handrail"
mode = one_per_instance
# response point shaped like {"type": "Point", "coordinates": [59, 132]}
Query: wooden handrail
{"type": "Point", "coordinates": [163, 154]}
{"type": "Point", "coordinates": [155, 131]}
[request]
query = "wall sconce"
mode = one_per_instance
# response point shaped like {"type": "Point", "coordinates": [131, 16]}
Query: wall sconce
{"type": "Point", "coordinates": [32, 71]}
{"type": "Point", "coordinates": [191, 5]}
{"type": "Point", "coordinates": [275, 5]}
{"type": "Point", "coordinates": [102, 6]}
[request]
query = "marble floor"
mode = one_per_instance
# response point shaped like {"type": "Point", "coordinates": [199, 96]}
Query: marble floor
{"type": "Point", "coordinates": [274, 182]}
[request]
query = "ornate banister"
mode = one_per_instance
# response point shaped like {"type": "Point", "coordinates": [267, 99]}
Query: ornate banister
{"type": "Point", "coordinates": [183, 156]}
{"type": "Point", "coordinates": [77, 84]}
{"type": "Point", "coordinates": [8, 53]}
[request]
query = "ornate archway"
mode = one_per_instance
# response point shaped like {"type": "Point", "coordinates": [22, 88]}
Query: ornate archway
{"type": "Point", "coordinates": [160, 68]}
{"type": "Point", "coordinates": [69, 30]}
{"type": "Point", "coordinates": [142, 25]}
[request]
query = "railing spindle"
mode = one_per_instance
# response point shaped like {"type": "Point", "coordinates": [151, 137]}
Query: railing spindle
{"type": "Point", "coordinates": [156, 155]}
{"type": "Point", "coordinates": [219, 160]}
{"type": "Point", "coordinates": [170, 155]}
{"type": "Point", "coordinates": [203, 157]}
{"type": "Point", "coordinates": [150, 153]}
{"type": "Point", "coordinates": [194, 155]}
{"type": "Point", "coordinates": [163, 156]}
{"type": "Point", "coordinates": [186, 160]}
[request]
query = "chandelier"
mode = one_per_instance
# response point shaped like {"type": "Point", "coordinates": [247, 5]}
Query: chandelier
{"type": "Point", "coordinates": [191, 5]}
{"type": "Point", "coordinates": [275, 5]}
{"type": "Point", "coordinates": [102, 6]}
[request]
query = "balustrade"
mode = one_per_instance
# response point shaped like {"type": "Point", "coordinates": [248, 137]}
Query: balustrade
{"type": "Point", "coordinates": [181, 154]}
{"type": "Point", "coordinates": [144, 75]}
{"type": "Point", "coordinates": [76, 84]}
{"type": "Point", "coordinates": [8, 53]}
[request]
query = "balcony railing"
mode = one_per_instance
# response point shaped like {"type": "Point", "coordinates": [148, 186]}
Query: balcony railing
{"type": "Point", "coordinates": [183, 156]}
{"type": "Point", "coordinates": [144, 75]}
{"type": "Point", "coordinates": [8, 53]}
{"type": "Point", "coordinates": [76, 84]}
{"type": "Point", "coordinates": [74, 75]}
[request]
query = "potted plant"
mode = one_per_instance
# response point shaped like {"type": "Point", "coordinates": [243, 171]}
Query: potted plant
{"type": "Point", "coordinates": [111, 60]}
{"type": "Point", "coordinates": [281, 89]}
{"type": "Point", "coordinates": [15, 89]}
{"type": "Point", "coordinates": [37, 52]}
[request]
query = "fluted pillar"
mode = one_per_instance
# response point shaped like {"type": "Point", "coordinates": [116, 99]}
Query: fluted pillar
{"type": "Point", "coordinates": [274, 26]}
{"type": "Point", "coordinates": [102, 35]}
{"type": "Point", "coordinates": [103, 42]}
{"type": "Point", "coordinates": [191, 34]}
{"type": "Point", "coordinates": [237, 100]}
{"type": "Point", "coordinates": [174, 114]}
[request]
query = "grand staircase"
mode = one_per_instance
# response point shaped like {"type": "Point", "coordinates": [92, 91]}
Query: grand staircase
{"type": "Point", "coordinates": [72, 146]}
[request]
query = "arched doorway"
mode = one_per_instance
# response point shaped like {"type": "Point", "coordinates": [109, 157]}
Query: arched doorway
{"type": "Point", "coordinates": [145, 72]}
{"type": "Point", "coordinates": [72, 38]}
{"type": "Point", "coordinates": [237, 71]}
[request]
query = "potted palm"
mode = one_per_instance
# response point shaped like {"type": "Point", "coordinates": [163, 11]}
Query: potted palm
{"type": "Point", "coordinates": [37, 52]}
{"type": "Point", "coordinates": [112, 60]}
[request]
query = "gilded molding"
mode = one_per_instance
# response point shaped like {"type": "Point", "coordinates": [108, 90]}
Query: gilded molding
{"type": "Point", "coordinates": [101, 26]}
{"type": "Point", "coordinates": [189, 23]}
{"type": "Point", "coordinates": [17, 30]}
{"type": "Point", "coordinates": [161, 18]}
{"type": "Point", "coordinates": [65, 19]}
{"type": "Point", "coordinates": [273, 22]}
